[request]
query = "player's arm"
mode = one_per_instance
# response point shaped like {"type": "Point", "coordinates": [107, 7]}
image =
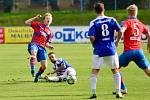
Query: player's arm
{"type": "Point", "coordinates": [92, 39]}
{"type": "Point", "coordinates": [119, 33]}
{"type": "Point", "coordinates": [59, 68]}
{"type": "Point", "coordinates": [49, 46]}
{"type": "Point", "coordinates": [147, 33]}
{"type": "Point", "coordinates": [118, 37]}
{"type": "Point", "coordinates": [148, 42]}
{"type": "Point", "coordinates": [123, 29]}
{"type": "Point", "coordinates": [91, 33]}
{"type": "Point", "coordinates": [29, 21]}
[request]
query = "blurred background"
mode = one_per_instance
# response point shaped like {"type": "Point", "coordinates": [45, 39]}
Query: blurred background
{"type": "Point", "coordinates": [59, 5]}
{"type": "Point", "coordinates": [74, 15]}
{"type": "Point", "coordinates": [15, 12]}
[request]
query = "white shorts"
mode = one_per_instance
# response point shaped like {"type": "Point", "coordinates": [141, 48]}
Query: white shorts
{"type": "Point", "coordinates": [69, 72]}
{"type": "Point", "coordinates": [111, 61]}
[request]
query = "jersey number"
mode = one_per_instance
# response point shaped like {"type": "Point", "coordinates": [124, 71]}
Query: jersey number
{"type": "Point", "coordinates": [136, 33]}
{"type": "Point", "coordinates": [105, 31]}
{"type": "Point", "coordinates": [136, 28]}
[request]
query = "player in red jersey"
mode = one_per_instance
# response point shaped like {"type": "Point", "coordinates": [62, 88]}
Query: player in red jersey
{"type": "Point", "coordinates": [133, 30]}
{"type": "Point", "coordinates": [41, 39]}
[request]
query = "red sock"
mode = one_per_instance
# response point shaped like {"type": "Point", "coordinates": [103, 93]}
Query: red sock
{"type": "Point", "coordinates": [32, 63]}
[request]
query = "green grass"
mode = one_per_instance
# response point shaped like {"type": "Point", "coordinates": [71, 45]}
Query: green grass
{"type": "Point", "coordinates": [16, 81]}
{"type": "Point", "coordinates": [68, 17]}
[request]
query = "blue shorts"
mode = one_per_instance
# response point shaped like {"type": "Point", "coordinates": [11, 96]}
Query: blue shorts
{"type": "Point", "coordinates": [133, 55]}
{"type": "Point", "coordinates": [41, 52]}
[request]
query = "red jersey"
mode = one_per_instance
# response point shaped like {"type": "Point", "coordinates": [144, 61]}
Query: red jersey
{"type": "Point", "coordinates": [133, 34]}
{"type": "Point", "coordinates": [42, 34]}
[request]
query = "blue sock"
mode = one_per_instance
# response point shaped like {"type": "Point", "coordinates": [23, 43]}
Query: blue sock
{"type": "Point", "coordinates": [41, 70]}
{"type": "Point", "coordinates": [123, 87]}
{"type": "Point", "coordinates": [33, 70]}
{"type": "Point", "coordinates": [32, 67]}
{"type": "Point", "coordinates": [37, 76]}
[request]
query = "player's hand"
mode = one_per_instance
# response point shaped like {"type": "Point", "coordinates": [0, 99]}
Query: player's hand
{"type": "Point", "coordinates": [48, 73]}
{"type": "Point", "coordinates": [38, 16]}
{"type": "Point", "coordinates": [51, 47]}
{"type": "Point", "coordinates": [148, 48]}
{"type": "Point", "coordinates": [52, 72]}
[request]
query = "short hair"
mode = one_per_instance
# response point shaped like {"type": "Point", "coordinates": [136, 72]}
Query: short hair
{"type": "Point", "coordinates": [132, 9]}
{"type": "Point", "coordinates": [51, 53]}
{"type": "Point", "coordinates": [99, 7]}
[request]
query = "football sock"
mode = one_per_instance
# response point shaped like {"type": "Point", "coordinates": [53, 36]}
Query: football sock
{"type": "Point", "coordinates": [41, 70]}
{"type": "Point", "coordinates": [93, 80]}
{"type": "Point", "coordinates": [123, 87]}
{"type": "Point", "coordinates": [117, 79]}
{"type": "Point", "coordinates": [32, 63]}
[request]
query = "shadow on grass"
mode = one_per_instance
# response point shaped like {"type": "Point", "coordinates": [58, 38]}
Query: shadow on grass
{"type": "Point", "coordinates": [13, 82]}
{"type": "Point", "coordinates": [39, 95]}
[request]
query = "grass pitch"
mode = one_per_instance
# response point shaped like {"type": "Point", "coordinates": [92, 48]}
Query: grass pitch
{"type": "Point", "coordinates": [16, 82]}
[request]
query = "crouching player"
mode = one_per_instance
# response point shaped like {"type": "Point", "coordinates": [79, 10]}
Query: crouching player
{"type": "Point", "coordinates": [62, 69]}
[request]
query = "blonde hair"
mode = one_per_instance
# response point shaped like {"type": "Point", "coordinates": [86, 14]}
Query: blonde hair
{"type": "Point", "coordinates": [132, 9]}
{"type": "Point", "coordinates": [47, 14]}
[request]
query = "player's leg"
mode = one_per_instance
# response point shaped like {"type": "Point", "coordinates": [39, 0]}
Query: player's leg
{"type": "Point", "coordinates": [50, 79]}
{"type": "Point", "coordinates": [71, 73]}
{"type": "Point", "coordinates": [147, 71]}
{"type": "Point", "coordinates": [42, 57]}
{"type": "Point", "coordinates": [113, 62]}
{"type": "Point", "coordinates": [32, 49]}
{"type": "Point", "coordinates": [96, 62]}
{"type": "Point", "coordinates": [142, 62]}
{"type": "Point", "coordinates": [93, 80]}
{"type": "Point", "coordinates": [53, 79]}
{"type": "Point", "coordinates": [123, 86]}
{"type": "Point", "coordinates": [124, 60]}
{"type": "Point", "coordinates": [41, 69]}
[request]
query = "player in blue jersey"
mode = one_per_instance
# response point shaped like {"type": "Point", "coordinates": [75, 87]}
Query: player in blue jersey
{"type": "Point", "coordinates": [102, 32]}
{"type": "Point", "coordinates": [62, 69]}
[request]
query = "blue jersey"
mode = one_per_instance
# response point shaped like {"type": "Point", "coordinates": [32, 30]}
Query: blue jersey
{"type": "Point", "coordinates": [58, 63]}
{"type": "Point", "coordinates": [103, 29]}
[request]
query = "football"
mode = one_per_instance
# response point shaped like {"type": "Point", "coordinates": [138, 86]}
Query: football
{"type": "Point", "coordinates": [70, 80]}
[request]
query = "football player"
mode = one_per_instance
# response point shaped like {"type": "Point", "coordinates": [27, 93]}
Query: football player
{"type": "Point", "coordinates": [41, 38]}
{"type": "Point", "coordinates": [62, 70]}
{"type": "Point", "coordinates": [133, 30]}
{"type": "Point", "coordinates": [102, 32]}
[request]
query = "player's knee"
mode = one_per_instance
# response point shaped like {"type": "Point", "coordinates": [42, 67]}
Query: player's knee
{"type": "Point", "coordinates": [43, 67]}
{"type": "Point", "coordinates": [43, 64]}
{"type": "Point", "coordinates": [114, 71]}
{"type": "Point", "coordinates": [93, 76]}
{"type": "Point", "coordinates": [148, 74]}
{"type": "Point", "coordinates": [33, 56]}
{"type": "Point", "coordinates": [147, 71]}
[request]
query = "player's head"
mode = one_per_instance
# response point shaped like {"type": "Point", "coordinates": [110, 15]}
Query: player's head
{"type": "Point", "coordinates": [132, 10]}
{"type": "Point", "coordinates": [52, 57]}
{"type": "Point", "coordinates": [99, 7]}
{"type": "Point", "coordinates": [47, 19]}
